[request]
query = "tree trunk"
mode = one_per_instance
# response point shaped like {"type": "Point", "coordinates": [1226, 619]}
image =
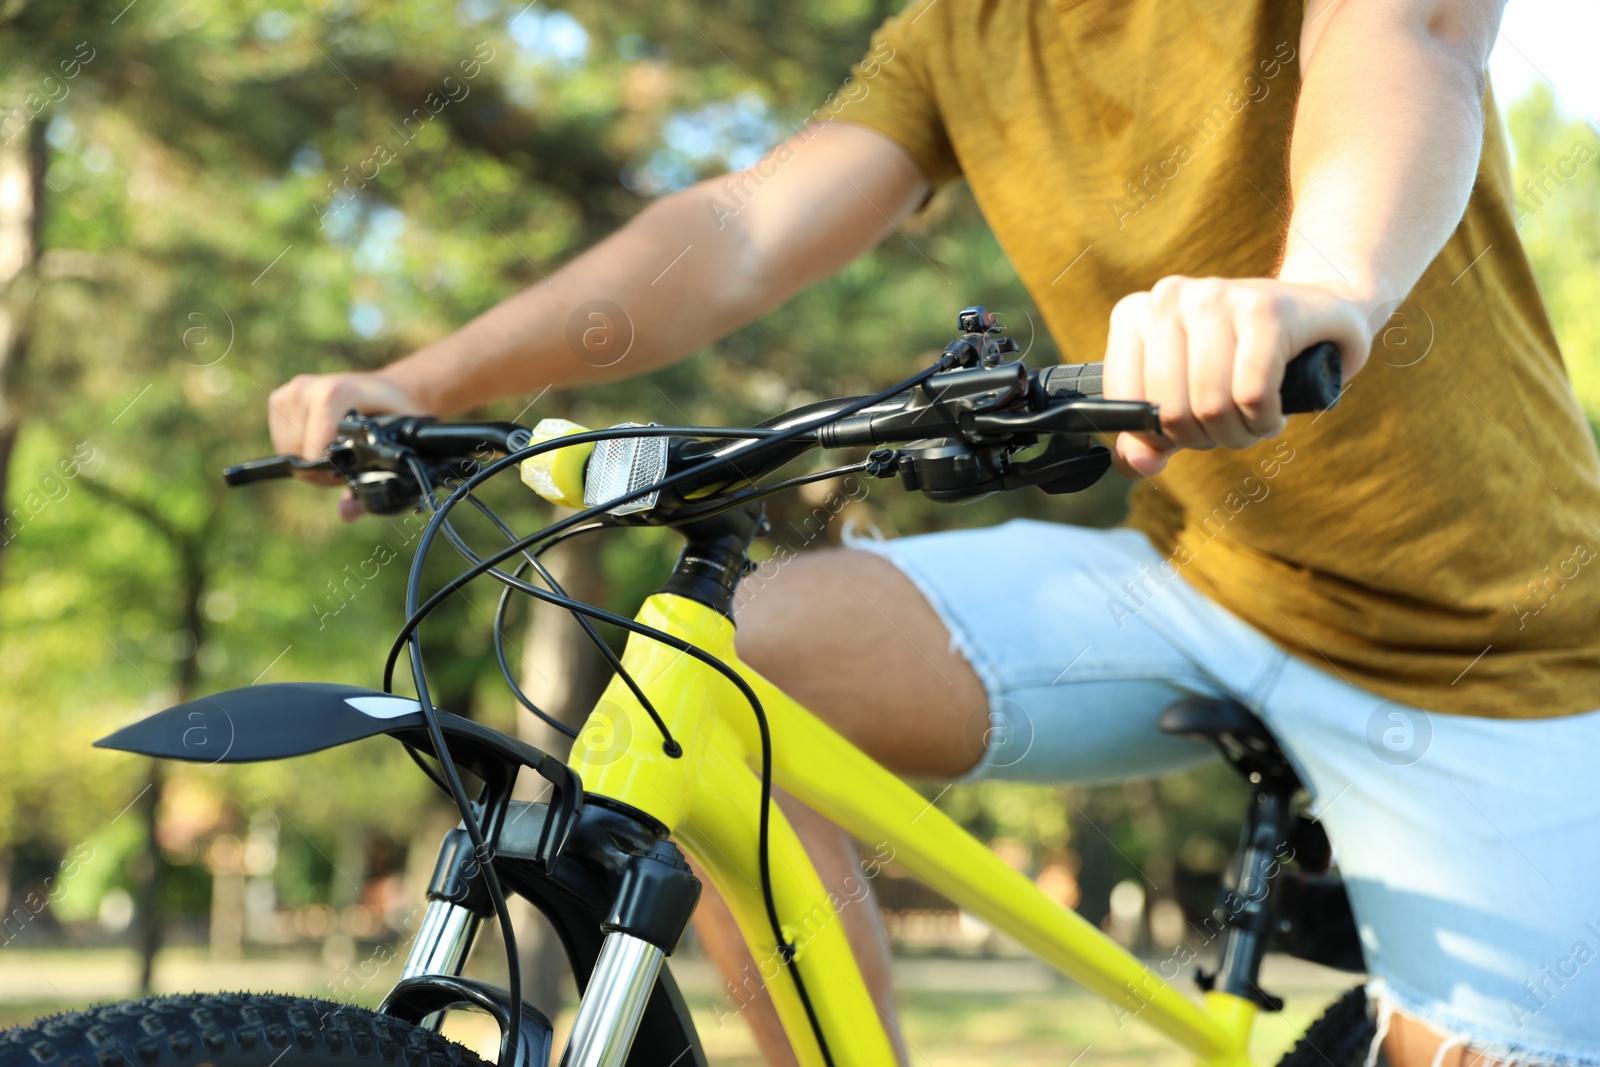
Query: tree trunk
{"type": "Point", "coordinates": [185, 671]}
{"type": "Point", "coordinates": [23, 157]}
{"type": "Point", "coordinates": [1096, 875]}
{"type": "Point", "coordinates": [147, 876]}
{"type": "Point", "coordinates": [563, 673]}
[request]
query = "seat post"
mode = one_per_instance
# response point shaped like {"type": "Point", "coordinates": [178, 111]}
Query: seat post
{"type": "Point", "coordinates": [1243, 907]}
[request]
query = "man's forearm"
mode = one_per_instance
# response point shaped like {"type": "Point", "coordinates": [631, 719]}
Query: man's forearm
{"type": "Point", "coordinates": [661, 287]}
{"type": "Point", "coordinates": [687, 270]}
{"type": "Point", "coordinates": [1386, 142]}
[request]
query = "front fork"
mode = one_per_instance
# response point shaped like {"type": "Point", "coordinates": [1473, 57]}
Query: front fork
{"type": "Point", "coordinates": [609, 1014]}
{"type": "Point", "coordinates": [457, 906]}
{"type": "Point", "coordinates": [441, 946]}
{"type": "Point", "coordinates": [655, 893]}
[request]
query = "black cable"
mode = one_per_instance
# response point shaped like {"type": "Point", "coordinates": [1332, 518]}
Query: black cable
{"type": "Point", "coordinates": [509, 677]}
{"type": "Point", "coordinates": [416, 757]}
{"type": "Point", "coordinates": [767, 439]}
{"type": "Point", "coordinates": [505, 669]}
{"type": "Point", "coordinates": [429, 489]}
{"type": "Point", "coordinates": [785, 949]}
{"type": "Point", "coordinates": [417, 613]}
{"type": "Point", "coordinates": [511, 1040]}
{"type": "Point", "coordinates": [414, 578]}
{"type": "Point", "coordinates": [671, 747]}
{"type": "Point", "coordinates": [760, 492]}
{"type": "Point", "coordinates": [499, 637]}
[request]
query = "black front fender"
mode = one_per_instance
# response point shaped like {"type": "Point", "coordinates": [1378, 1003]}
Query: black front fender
{"type": "Point", "coordinates": [266, 722]}
{"type": "Point", "coordinates": [286, 719]}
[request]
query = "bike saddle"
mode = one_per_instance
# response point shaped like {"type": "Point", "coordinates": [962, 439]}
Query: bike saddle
{"type": "Point", "coordinates": [1244, 740]}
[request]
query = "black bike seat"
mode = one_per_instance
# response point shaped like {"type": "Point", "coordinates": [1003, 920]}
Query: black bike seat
{"type": "Point", "coordinates": [1241, 737]}
{"type": "Point", "coordinates": [1209, 718]}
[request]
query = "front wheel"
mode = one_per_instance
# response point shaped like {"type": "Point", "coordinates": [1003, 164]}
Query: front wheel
{"type": "Point", "coordinates": [227, 1030]}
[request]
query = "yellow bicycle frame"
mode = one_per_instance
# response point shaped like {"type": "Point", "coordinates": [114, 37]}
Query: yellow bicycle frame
{"type": "Point", "coordinates": [710, 799]}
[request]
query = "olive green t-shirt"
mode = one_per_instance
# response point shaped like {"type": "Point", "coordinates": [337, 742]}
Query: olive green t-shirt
{"type": "Point", "coordinates": [1433, 538]}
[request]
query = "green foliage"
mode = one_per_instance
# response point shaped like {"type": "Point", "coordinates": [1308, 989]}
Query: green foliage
{"type": "Point", "coordinates": [1558, 215]}
{"type": "Point", "coordinates": [237, 193]}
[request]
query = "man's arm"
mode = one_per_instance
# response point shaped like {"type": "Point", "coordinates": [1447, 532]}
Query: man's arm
{"type": "Point", "coordinates": [688, 269]}
{"type": "Point", "coordinates": [1387, 134]}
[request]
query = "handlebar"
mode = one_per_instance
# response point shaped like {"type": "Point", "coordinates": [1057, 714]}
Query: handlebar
{"type": "Point", "coordinates": [1311, 381]}
{"type": "Point", "coordinates": [959, 429]}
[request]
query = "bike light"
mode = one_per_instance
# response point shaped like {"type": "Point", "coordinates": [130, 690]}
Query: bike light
{"type": "Point", "coordinates": [623, 465]}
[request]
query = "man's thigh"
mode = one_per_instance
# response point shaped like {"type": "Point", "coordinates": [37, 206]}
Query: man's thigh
{"type": "Point", "coordinates": [1471, 849]}
{"type": "Point", "coordinates": [1016, 648]}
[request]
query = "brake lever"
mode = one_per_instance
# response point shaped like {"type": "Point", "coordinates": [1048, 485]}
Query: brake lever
{"type": "Point", "coordinates": [1086, 415]}
{"type": "Point", "coordinates": [1065, 466]}
{"type": "Point", "coordinates": [261, 470]}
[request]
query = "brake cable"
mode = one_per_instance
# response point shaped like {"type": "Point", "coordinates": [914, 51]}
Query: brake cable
{"type": "Point", "coordinates": [672, 748]}
{"type": "Point", "coordinates": [409, 638]}
{"type": "Point", "coordinates": [512, 581]}
{"type": "Point", "coordinates": [767, 439]}
{"type": "Point", "coordinates": [506, 674]}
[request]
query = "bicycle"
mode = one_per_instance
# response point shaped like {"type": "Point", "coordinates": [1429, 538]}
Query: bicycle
{"type": "Point", "coordinates": [604, 858]}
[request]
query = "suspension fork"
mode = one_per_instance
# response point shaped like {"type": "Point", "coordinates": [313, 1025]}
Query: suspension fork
{"type": "Point", "coordinates": [457, 905]}
{"type": "Point", "coordinates": [621, 859]}
{"type": "Point", "coordinates": [655, 896]}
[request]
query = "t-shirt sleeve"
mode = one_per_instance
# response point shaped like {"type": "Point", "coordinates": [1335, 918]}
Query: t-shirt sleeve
{"type": "Point", "coordinates": [889, 91]}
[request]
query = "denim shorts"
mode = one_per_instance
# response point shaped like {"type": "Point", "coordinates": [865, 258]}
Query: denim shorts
{"type": "Point", "coordinates": [1470, 846]}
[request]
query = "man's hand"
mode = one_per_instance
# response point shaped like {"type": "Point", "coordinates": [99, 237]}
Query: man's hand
{"type": "Point", "coordinates": [303, 415]}
{"type": "Point", "coordinates": [1211, 353]}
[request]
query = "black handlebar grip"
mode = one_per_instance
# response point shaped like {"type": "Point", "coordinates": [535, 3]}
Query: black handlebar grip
{"type": "Point", "coordinates": [1312, 380]}
{"type": "Point", "coordinates": [1071, 379]}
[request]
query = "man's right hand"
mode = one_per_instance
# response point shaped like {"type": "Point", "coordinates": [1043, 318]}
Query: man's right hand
{"type": "Point", "coordinates": [303, 415]}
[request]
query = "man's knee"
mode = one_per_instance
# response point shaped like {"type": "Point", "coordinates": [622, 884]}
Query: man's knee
{"type": "Point", "coordinates": [851, 638]}
{"type": "Point", "coordinates": [778, 614]}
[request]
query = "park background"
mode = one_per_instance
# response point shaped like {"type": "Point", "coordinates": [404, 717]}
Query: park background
{"type": "Point", "coordinates": [179, 234]}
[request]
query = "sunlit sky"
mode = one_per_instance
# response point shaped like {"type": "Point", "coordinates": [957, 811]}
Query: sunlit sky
{"type": "Point", "coordinates": [1552, 41]}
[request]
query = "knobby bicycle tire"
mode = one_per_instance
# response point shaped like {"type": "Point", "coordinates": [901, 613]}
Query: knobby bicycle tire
{"type": "Point", "coordinates": [1342, 1037]}
{"type": "Point", "coordinates": [227, 1030]}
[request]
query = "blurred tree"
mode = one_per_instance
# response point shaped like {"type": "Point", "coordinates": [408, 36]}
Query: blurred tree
{"type": "Point", "coordinates": [1557, 185]}
{"type": "Point", "coordinates": [199, 200]}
